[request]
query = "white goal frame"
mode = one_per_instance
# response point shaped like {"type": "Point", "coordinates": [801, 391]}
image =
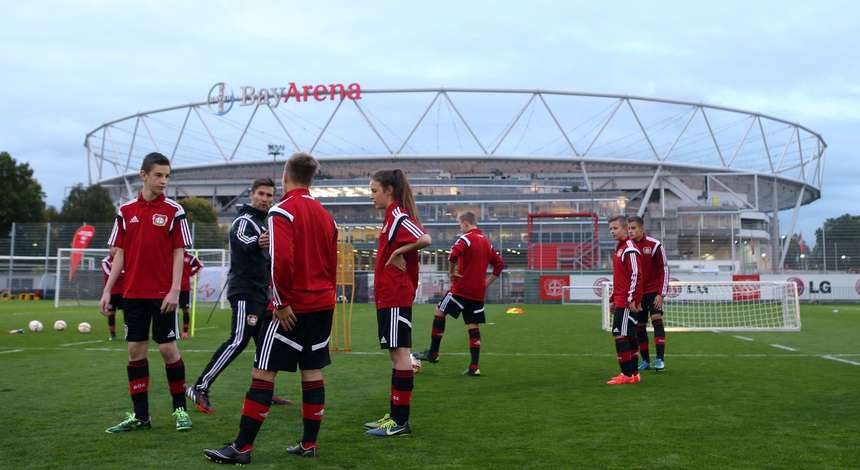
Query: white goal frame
{"type": "Point", "coordinates": [681, 312]}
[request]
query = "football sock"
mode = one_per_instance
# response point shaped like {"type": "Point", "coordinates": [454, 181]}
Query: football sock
{"type": "Point", "coordinates": [402, 382]}
{"type": "Point", "coordinates": [138, 387]}
{"type": "Point", "coordinates": [176, 382]}
{"type": "Point", "coordinates": [659, 337]}
{"type": "Point", "coordinates": [313, 407]}
{"type": "Point", "coordinates": [642, 337]}
{"type": "Point", "coordinates": [474, 346]}
{"type": "Point", "coordinates": [254, 412]}
{"type": "Point", "coordinates": [112, 323]}
{"type": "Point", "coordinates": [436, 335]}
{"type": "Point", "coordinates": [185, 320]}
{"type": "Point", "coordinates": [624, 350]}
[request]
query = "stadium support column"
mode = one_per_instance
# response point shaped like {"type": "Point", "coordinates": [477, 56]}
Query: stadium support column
{"type": "Point", "coordinates": [774, 226]}
{"type": "Point", "coordinates": [791, 226]}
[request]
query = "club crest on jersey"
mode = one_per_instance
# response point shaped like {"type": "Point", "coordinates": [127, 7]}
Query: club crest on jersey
{"type": "Point", "coordinates": [647, 250]}
{"type": "Point", "coordinates": [252, 320]}
{"type": "Point", "coordinates": [159, 220]}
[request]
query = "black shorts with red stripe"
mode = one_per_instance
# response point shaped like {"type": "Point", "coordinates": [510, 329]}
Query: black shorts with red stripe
{"type": "Point", "coordinates": [454, 305]}
{"type": "Point", "coordinates": [623, 322]}
{"type": "Point", "coordinates": [140, 314]}
{"type": "Point", "coordinates": [394, 326]}
{"type": "Point", "coordinates": [304, 347]}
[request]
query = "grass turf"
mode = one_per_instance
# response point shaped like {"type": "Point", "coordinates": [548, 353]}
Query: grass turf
{"type": "Point", "coordinates": [722, 402]}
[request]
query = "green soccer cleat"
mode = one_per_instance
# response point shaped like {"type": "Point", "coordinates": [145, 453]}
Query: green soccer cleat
{"type": "Point", "coordinates": [389, 428]}
{"type": "Point", "coordinates": [130, 423]}
{"type": "Point", "coordinates": [378, 422]}
{"type": "Point", "coordinates": [183, 421]}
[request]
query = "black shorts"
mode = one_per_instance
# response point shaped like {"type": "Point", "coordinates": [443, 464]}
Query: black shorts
{"type": "Point", "coordinates": [115, 302]}
{"type": "Point", "coordinates": [648, 308]}
{"type": "Point", "coordinates": [623, 323]}
{"type": "Point", "coordinates": [305, 346]}
{"type": "Point", "coordinates": [454, 305]}
{"type": "Point", "coordinates": [394, 326]}
{"type": "Point", "coordinates": [140, 313]}
{"type": "Point", "coordinates": [185, 299]}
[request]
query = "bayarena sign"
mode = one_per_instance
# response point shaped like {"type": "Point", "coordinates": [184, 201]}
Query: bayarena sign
{"type": "Point", "coordinates": [221, 98]}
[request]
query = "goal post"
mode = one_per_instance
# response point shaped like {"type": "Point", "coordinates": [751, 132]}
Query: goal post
{"type": "Point", "coordinates": [79, 279]}
{"type": "Point", "coordinates": [742, 306]}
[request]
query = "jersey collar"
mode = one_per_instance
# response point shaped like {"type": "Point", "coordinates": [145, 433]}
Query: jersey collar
{"type": "Point", "coordinates": [296, 192]}
{"type": "Point", "coordinates": [390, 209]}
{"type": "Point", "coordinates": [158, 199]}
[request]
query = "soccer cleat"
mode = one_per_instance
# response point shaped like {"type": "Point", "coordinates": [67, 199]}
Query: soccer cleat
{"type": "Point", "coordinates": [281, 401]}
{"type": "Point", "coordinates": [130, 423]}
{"type": "Point", "coordinates": [389, 428]}
{"type": "Point", "coordinates": [378, 422]}
{"type": "Point", "coordinates": [301, 451]}
{"type": "Point", "coordinates": [112, 338]}
{"type": "Point", "coordinates": [621, 379]}
{"type": "Point", "coordinates": [472, 372]}
{"type": "Point", "coordinates": [425, 356]}
{"type": "Point", "coordinates": [659, 364]}
{"type": "Point", "coordinates": [201, 399]}
{"type": "Point", "coordinates": [644, 365]}
{"type": "Point", "coordinates": [184, 335]}
{"type": "Point", "coordinates": [637, 378]}
{"type": "Point", "coordinates": [228, 455]}
{"type": "Point", "coordinates": [183, 421]}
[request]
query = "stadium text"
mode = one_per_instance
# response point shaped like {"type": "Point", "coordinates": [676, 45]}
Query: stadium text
{"type": "Point", "coordinates": [274, 96]}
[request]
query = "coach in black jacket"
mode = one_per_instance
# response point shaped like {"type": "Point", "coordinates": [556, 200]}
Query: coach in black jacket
{"type": "Point", "coordinates": [248, 286]}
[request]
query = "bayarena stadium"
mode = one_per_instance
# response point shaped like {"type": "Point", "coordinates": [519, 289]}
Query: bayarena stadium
{"type": "Point", "coordinates": [710, 181]}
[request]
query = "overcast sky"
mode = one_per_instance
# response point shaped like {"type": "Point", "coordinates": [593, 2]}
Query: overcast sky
{"type": "Point", "coordinates": [67, 67]}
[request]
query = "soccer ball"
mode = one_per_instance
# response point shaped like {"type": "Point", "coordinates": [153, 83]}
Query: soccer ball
{"type": "Point", "coordinates": [35, 326]}
{"type": "Point", "coordinates": [59, 325]}
{"type": "Point", "coordinates": [416, 365]}
{"type": "Point", "coordinates": [84, 327]}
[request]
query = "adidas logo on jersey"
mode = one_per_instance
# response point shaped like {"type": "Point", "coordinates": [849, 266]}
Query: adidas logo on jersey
{"type": "Point", "coordinates": [134, 220]}
{"type": "Point", "coordinates": [383, 341]}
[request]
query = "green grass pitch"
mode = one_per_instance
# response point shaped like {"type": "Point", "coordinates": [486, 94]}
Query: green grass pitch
{"type": "Point", "coordinates": [723, 401]}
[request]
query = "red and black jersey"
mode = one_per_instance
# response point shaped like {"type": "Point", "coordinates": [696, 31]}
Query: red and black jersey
{"type": "Point", "coordinates": [107, 264]}
{"type": "Point", "coordinates": [393, 287]}
{"type": "Point", "coordinates": [472, 253]}
{"type": "Point", "coordinates": [655, 266]}
{"type": "Point", "coordinates": [190, 265]}
{"type": "Point", "coordinates": [626, 276]}
{"type": "Point", "coordinates": [303, 247]}
{"type": "Point", "coordinates": [148, 232]}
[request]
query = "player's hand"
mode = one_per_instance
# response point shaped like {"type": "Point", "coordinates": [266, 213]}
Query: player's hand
{"type": "Point", "coordinates": [398, 261]}
{"type": "Point", "coordinates": [634, 307]}
{"type": "Point", "coordinates": [104, 303]}
{"type": "Point", "coordinates": [658, 302]}
{"type": "Point", "coordinates": [263, 241]}
{"type": "Point", "coordinates": [286, 318]}
{"type": "Point", "coordinates": [171, 300]}
{"type": "Point", "coordinates": [455, 275]}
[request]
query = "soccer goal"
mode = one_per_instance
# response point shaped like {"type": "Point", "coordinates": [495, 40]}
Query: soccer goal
{"type": "Point", "coordinates": [79, 279]}
{"type": "Point", "coordinates": [725, 306]}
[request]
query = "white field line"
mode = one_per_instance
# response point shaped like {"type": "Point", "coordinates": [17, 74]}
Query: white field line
{"type": "Point", "coordinates": [784, 348]}
{"type": "Point", "coordinates": [83, 342]}
{"type": "Point", "coordinates": [9, 351]}
{"type": "Point", "coordinates": [743, 338]}
{"type": "Point", "coordinates": [205, 328]}
{"type": "Point", "coordinates": [831, 357]}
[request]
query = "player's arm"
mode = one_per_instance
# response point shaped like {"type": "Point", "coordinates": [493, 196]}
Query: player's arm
{"type": "Point", "coordinates": [634, 293]}
{"type": "Point", "coordinates": [412, 237]}
{"type": "Point", "coordinates": [453, 260]}
{"type": "Point", "coordinates": [662, 267]}
{"type": "Point", "coordinates": [282, 252]}
{"type": "Point", "coordinates": [115, 271]}
{"type": "Point", "coordinates": [498, 266]}
{"type": "Point", "coordinates": [245, 235]}
{"type": "Point", "coordinates": [196, 265]}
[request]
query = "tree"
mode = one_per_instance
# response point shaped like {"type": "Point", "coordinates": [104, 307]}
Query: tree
{"type": "Point", "coordinates": [842, 238]}
{"type": "Point", "coordinates": [23, 199]}
{"type": "Point", "coordinates": [91, 205]}
{"type": "Point", "coordinates": [207, 233]}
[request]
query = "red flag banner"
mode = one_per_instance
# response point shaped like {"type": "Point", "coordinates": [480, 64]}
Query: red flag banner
{"type": "Point", "coordinates": [83, 237]}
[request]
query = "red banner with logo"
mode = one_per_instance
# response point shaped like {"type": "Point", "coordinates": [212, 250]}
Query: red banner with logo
{"type": "Point", "coordinates": [83, 237]}
{"type": "Point", "coordinates": [552, 287]}
{"type": "Point", "coordinates": [745, 292]}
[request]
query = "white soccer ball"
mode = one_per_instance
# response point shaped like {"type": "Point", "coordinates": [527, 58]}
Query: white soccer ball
{"type": "Point", "coordinates": [59, 325]}
{"type": "Point", "coordinates": [416, 365]}
{"type": "Point", "coordinates": [835, 310]}
{"type": "Point", "coordinates": [35, 326]}
{"type": "Point", "coordinates": [85, 327]}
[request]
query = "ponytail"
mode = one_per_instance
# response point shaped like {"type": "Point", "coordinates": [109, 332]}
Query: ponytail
{"type": "Point", "coordinates": [400, 190]}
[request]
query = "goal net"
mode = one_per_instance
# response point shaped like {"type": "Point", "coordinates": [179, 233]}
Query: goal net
{"type": "Point", "coordinates": [724, 306]}
{"type": "Point", "coordinates": [79, 279]}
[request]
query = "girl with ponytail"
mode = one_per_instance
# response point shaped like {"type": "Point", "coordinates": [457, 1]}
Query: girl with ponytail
{"type": "Point", "coordinates": [394, 284]}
